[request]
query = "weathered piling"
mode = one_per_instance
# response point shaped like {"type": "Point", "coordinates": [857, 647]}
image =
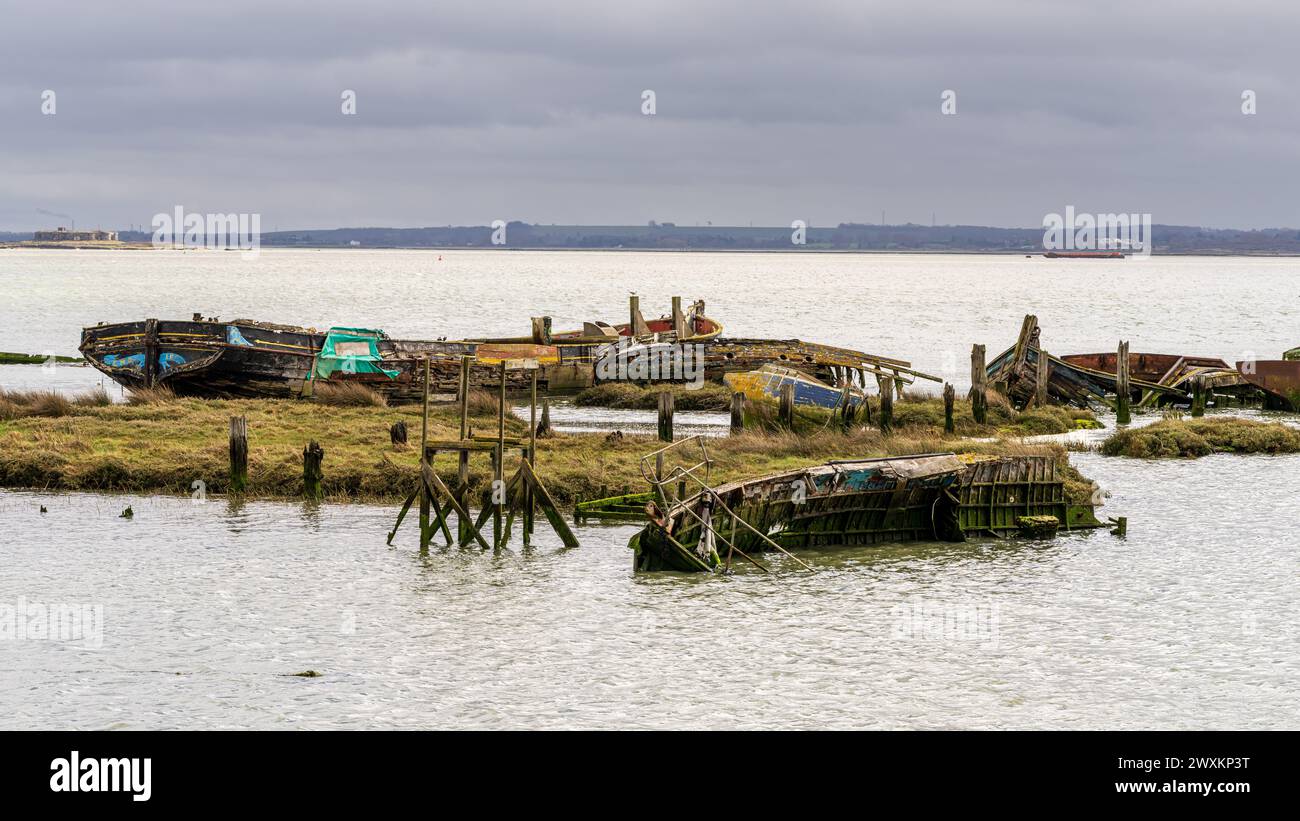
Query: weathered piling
{"type": "Point", "coordinates": [499, 465]}
{"type": "Point", "coordinates": [949, 397]}
{"type": "Point", "coordinates": [1122, 398]}
{"type": "Point", "coordinates": [312, 473]}
{"type": "Point", "coordinates": [464, 528]}
{"type": "Point", "coordinates": [979, 399]}
{"type": "Point", "coordinates": [544, 427]}
{"type": "Point", "coordinates": [848, 411]}
{"type": "Point", "coordinates": [1198, 396]}
{"type": "Point", "coordinates": [398, 432]}
{"type": "Point", "coordinates": [1040, 379]}
{"type": "Point", "coordinates": [886, 406]}
{"type": "Point", "coordinates": [636, 322]}
{"type": "Point", "coordinates": [785, 410]}
{"type": "Point", "coordinates": [665, 416]}
{"type": "Point", "coordinates": [737, 412]}
{"type": "Point", "coordinates": [679, 319]}
{"type": "Point", "coordinates": [238, 454]}
{"type": "Point", "coordinates": [425, 533]}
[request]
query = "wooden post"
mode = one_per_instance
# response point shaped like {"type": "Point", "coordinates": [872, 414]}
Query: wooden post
{"type": "Point", "coordinates": [636, 322]}
{"type": "Point", "coordinates": [464, 530]}
{"type": "Point", "coordinates": [898, 384]}
{"type": "Point", "coordinates": [312, 456]}
{"type": "Point", "coordinates": [425, 534]}
{"type": "Point", "coordinates": [666, 416]}
{"type": "Point", "coordinates": [532, 461]}
{"type": "Point", "coordinates": [238, 454]}
{"type": "Point", "coordinates": [979, 399]}
{"type": "Point", "coordinates": [544, 427]}
{"type": "Point", "coordinates": [949, 397]}
{"type": "Point", "coordinates": [1122, 398]}
{"type": "Point", "coordinates": [679, 319]}
{"type": "Point", "coordinates": [398, 432]}
{"type": "Point", "coordinates": [1040, 379]}
{"type": "Point", "coordinates": [785, 410]}
{"type": "Point", "coordinates": [1198, 396]}
{"type": "Point", "coordinates": [886, 405]}
{"type": "Point", "coordinates": [737, 412]}
{"type": "Point", "coordinates": [150, 352]}
{"type": "Point", "coordinates": [499, 467]}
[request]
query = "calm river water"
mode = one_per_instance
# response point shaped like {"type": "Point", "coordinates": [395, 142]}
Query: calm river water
{"type": "Point", "coordinates": [196, 614]}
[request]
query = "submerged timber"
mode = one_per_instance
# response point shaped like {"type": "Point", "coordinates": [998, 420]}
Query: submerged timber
{"type": "Point", "coordinates": [930, 497]}
{"type": "Point", "coordinates": [209, 358]}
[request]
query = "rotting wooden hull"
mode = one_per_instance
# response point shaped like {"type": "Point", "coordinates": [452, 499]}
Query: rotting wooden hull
{"type": "Point", "coordinates": [766, 383]}
{"type": "Point", "coordinates": [1278, 379]}
{"type": "Point", "coordinates": [933, 497]}
{"type": "Point", "coordinates": [1015, 372]}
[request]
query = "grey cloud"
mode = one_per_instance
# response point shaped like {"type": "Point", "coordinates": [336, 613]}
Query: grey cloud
{"type": "Point", "coordinates": [821, 111]}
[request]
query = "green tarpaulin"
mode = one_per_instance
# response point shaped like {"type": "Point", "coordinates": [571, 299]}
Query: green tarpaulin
{"type": "Point", "coordinates": [351, 350]}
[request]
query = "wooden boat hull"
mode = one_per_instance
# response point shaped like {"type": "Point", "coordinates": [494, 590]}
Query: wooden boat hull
{"type": "Point", "coordinates": [246, 358]}
{"type": "Point", "coordinates": [933, 497]}
{"type": "Point", "coordinates": [1279, 379]}
{"type": "Point", "coordinates": [766, 383]}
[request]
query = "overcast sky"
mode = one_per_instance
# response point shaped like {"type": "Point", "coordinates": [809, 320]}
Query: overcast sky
{"type": "Point", "coordinates": [765, 112]}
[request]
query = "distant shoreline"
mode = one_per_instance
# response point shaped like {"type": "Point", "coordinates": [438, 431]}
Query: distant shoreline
{"type": "Point", "coordinates": [137, 246]}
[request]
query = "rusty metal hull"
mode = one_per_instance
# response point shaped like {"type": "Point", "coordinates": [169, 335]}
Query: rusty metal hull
{"type": "Point", "coordinates": [1279, 379]}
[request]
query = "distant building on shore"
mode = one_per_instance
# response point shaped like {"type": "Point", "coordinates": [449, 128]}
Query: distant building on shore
{"type": "Point", "coordinates": [62, 234]}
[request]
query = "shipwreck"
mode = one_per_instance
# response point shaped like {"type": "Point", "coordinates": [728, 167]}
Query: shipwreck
{"type": "Point", "coordinates": [206, 357]}
{"type": "Point", "coordinates": [928, 497]}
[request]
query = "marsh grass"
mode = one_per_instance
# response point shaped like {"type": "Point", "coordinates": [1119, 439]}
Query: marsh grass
{"type": "Point", "coordinates": [164, 446]}
{"type": "Point", "coordinates": [1192, 438]}
{"type": "Point", "coordinates": [347, 394]}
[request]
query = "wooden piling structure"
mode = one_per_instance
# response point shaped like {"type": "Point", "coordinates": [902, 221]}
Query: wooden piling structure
{"type": "Point", "coordinates": [1122, 397]}
{"type": "Point", "coordinates": [666, 416]}
{"type": "Point", "coordinates": [886, 405]}
{"type": "Point", "coordinates": [949, 398]}
{"type": "Point", "coordinates": [312, 474]}
{"type": "Point", "coordinates": [979, 399]}
{"type": "Point", "coordinates": [737, 412]}
{"type": "Point", "coordinates": [238, 454]}
{"type": "Point", "coordinates": [785, 408]}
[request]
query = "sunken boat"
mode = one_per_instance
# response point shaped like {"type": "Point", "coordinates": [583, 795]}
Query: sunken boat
{"type": "Point", "coordinates": [929, 497]}
{"type": "Point", "coordinates": [1077, 379]}
{"type": "Point", "coordinates": [211, 358]}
